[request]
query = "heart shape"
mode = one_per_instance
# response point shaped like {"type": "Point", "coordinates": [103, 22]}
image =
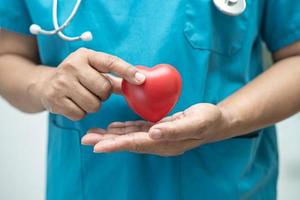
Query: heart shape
{"type": "Point", "coordinates": [156, 97]}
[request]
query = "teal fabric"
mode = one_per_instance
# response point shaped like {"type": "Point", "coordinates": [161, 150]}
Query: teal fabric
{"type": "Point", "coordinates": [215, 54]}
{"type": "Point", "coordinates": [14, 16]}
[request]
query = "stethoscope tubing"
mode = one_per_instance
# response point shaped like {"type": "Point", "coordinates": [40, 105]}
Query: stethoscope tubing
{"type": "Point", "coordinates": [87, 36]}
{"type": "Point", "coordinates": [36, 29]}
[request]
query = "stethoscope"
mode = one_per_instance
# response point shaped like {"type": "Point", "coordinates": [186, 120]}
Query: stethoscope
{"type": "Point", "coordinates": [229, 7]}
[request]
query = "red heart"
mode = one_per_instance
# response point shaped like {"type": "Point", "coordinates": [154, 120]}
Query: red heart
{"type": "Point", "coordinates": [156, 97]}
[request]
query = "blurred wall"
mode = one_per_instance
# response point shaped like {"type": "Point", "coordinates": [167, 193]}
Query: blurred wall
{"type": "Point", "coordinates": [289, 148]}
{"type": "Point", "coordinates": [22, 154]}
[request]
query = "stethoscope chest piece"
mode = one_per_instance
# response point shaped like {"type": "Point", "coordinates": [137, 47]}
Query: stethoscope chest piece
{"type": "Point", "coordinates": [231, 7]}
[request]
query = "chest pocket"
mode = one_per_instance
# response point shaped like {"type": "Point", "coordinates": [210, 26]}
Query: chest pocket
{"type": "Point", "coordinates": [207, 28]}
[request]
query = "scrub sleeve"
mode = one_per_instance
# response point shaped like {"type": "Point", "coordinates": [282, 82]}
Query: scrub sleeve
{"type": "Point", "coordinates": [281, 23]}
{"type": "Point", "coordinates": [14, 16]}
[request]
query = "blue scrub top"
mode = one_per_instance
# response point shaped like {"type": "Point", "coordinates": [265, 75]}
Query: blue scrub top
{"type": "Point", "coordinates": [215, 54]}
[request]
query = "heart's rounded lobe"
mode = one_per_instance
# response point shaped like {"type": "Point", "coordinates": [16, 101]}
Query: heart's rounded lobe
{"type": "Point", "coordinates": [156, 97]}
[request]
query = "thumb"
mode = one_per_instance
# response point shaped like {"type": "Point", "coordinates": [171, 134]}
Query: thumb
{"type": "Point", "coordinates": [180, 129]}
{"type": "Point", "coordinates": [116, 83]}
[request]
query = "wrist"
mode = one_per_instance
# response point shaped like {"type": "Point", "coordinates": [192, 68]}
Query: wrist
{"type": "Point", "coordinates": [40, 75]}
{"type": "Point", "coordinates": [230, 121]}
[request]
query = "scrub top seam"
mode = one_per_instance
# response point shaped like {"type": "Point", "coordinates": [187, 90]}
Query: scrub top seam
{"type": "Point", "coordinates": [83, 194]}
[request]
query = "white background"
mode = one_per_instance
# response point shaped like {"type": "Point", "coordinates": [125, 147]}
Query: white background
{"type": "Point", "coordinates": [23, 154]}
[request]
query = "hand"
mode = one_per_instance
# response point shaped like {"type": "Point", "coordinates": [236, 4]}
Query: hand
{"type": "Point", "coordinates": [79, 84]}
{"type": "Point", "coordinates": [199, 124]}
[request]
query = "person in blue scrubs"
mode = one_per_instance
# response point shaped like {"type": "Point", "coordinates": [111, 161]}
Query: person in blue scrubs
{"type": "Point", "coordinates": [217, 143]}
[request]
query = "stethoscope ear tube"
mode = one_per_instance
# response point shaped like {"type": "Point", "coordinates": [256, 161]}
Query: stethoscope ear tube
{"type": "Point", "coordinates": [36, 29]}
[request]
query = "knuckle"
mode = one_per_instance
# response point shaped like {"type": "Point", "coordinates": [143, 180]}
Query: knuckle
{"type": "Point", "coordinates": [69, 61]}
{"type": "Point", "coordinates": [72, 114]}
{"type": "Point", "coordinates": [61, 80]}
{"type": "Point", "coordinates": [111, 60]}
{"type": "Point", "coordinates": [130, 71]}
{"type": "Point", "coordinates": [82, 50]}
{"type": "Point", "coordinates": [76, 116]}
{"type": "Point", "coordinates": [72, 62]}
{"type": "Point", "coordinates": [96, 60]}
{"type": "Point", "coordinates": [95, 106]}
{"type": "Point", "coordinates": [50, 95]}
{"type": "Point", "coordinates": [106, 90]}
{"type": "Point", "coordinates": [75, 57]}
{"type": "Point", "coordinates": [67, 66]}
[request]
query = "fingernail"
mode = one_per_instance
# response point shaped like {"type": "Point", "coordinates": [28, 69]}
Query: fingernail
{"type": "Point", "coordinates": [139, 77]}
{"type": "Point", "coordinates": [83, 141]}
{"type": "Point", "coordinates": [155, 134]}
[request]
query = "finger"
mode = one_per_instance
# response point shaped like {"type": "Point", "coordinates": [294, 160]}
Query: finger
{"type": "Point", "coordinates": [180, 129]}
{"type": "Point", "coordinates": [94, 136]}
{"type": "Point", "coordinates": [95, 82]}
{"type": "Point", "coordinates": [115, 82]}
{"type": "Point", "coordinates": [139, 142]}
{"type": "Point", "coordinates": [171, 118]}
{"type": "Point", "coordinates": [136, 142]}
{"type": "Point", "coordinates": [84, 98]}
{"type": "Point", "coordinates": [129, 123]}
{"type": "Point", "coordinates": [121, 128]}
{"type": "Point", "coordinates": [178, 115]}
{"type": "Point", "coordinates": [165, 119]}
{"type": "Point", "coordinates": [111, 64]}
{"type": "Point", "coordinates": [69, 109]}
{"type": "Point", "coordinates": [116, 125]}
{"type": "Point", "coordinates": [129, 129]}
{"type": "Point", "coordinates": [91, 139]}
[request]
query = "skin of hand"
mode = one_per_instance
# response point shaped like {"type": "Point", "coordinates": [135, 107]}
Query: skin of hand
{"type": "Point", "coordinates": [78, 85]}
{"type": "Point", "coordinates": [171, 136]}
{"type": "Point", "coordinates": [73, 89]}
{"type": "Point", "coordinates": [269, 98]}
